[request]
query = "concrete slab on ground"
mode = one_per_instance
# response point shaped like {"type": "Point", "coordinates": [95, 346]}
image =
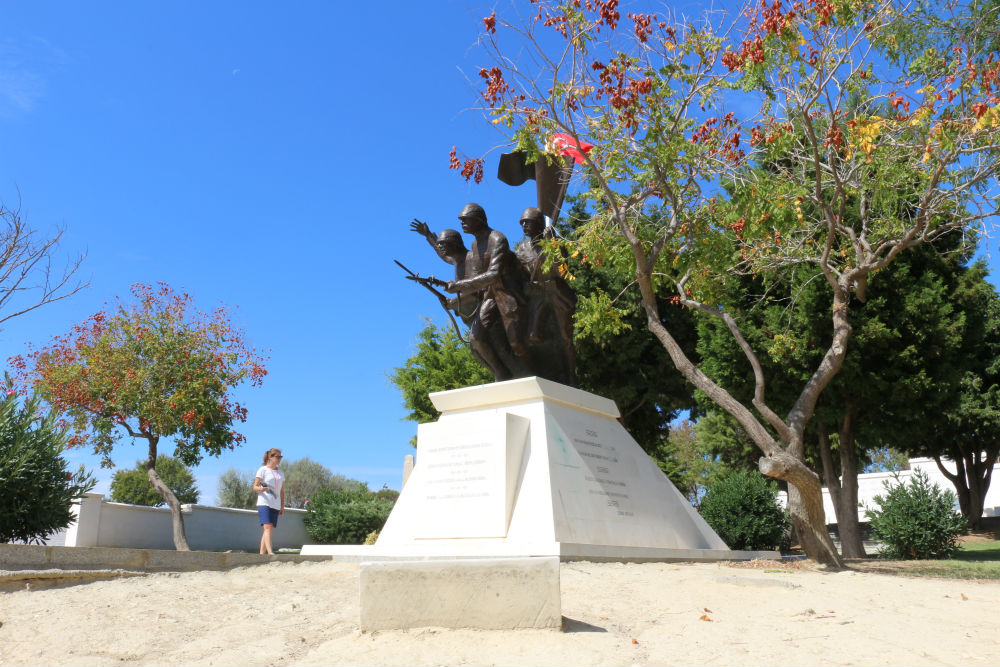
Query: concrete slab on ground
{"type": "Point", "coordinates": [37, 557]}
{"type": "Point", "coordinates": [488, 594]}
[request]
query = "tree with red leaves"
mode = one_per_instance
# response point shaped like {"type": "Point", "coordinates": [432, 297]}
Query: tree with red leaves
{"type": "Point", "coordinates": [826, 134]}
{"type": "Point", "coordinates": [152, 369]}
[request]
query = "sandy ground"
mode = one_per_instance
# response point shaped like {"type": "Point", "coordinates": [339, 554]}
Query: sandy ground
{"type": "Point", "coordinates": [614, 614]}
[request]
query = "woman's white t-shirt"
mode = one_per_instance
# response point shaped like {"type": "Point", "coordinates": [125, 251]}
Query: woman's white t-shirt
{"type": "Point", "coordinates": [272, 480]}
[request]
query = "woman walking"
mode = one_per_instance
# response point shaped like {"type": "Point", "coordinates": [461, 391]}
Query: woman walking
{"type": "Point", "coordinates": [268, 483]}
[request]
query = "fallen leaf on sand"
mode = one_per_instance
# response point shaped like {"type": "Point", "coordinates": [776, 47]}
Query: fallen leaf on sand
{"type": "Point", "coordinates": [704, 617]}
{"type": "Point", "coordinates": [963, 596]}
{"type": "Point", "coordinates": [707, 610]}
{"type": "Point", "coordinates": [634, 640]}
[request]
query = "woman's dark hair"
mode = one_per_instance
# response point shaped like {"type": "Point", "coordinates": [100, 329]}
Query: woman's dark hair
{"type": "Point", "coordinates": [268, 453]}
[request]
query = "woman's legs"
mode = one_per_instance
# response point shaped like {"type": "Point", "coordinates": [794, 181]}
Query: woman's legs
{"type": "Point", "coordinates": [266, 546]}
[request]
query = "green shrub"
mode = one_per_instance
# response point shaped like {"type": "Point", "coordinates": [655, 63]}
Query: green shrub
{"type": "Point", "coordinates": [917, 520]}
{"type": "Point", "coordinates": [742, 507]}
{"type": "Point", "coordinates": [345, 516]}
{"type": "Point", "coordinates": [36, 489]}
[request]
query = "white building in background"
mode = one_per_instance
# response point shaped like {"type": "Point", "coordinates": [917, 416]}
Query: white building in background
{"type": "Point", "coordinates": [873, 484]}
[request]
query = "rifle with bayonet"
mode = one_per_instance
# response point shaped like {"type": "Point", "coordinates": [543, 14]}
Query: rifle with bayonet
{"type": "Point", "coordinates": [429, 282]}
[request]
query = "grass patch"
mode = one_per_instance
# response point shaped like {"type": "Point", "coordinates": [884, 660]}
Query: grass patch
{"type": "Point", "coordinates": [945, 569]}
{"type": "Point", "coordinates": [958, 569]}
{"type": "Point", "coordinates": [980, 551]}
{"type": "Point", "coordinates": [976, 560]}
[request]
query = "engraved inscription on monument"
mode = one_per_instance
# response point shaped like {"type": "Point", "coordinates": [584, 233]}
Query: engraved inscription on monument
{"type": "Point", "coordinates": [466, 467]}
{"type": "Point", "coordinates": [606, 472]}
{"type": "Point", "coordinates": [459, 468]}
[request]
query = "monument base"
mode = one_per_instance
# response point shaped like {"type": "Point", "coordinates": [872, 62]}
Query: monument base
{"type": "Point", "coordinates": [530, 467]}
{"type": "Point", "coordinates": [490, 594]}
{"type": "Point", "coordinates": [565, 551]}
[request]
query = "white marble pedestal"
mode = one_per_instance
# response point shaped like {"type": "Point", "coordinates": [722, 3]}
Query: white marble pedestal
{"type": "Point", "coordinates": [530, 467]}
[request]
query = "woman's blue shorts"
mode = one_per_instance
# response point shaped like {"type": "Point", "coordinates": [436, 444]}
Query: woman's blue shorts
{"type": "Point", "coordinates": [267, 515]}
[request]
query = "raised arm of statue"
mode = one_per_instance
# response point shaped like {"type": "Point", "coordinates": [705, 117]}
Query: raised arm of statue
{"type": "Point", "coordinates": [424, 230]}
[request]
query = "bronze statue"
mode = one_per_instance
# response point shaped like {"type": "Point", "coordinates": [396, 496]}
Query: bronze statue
{"type": "Point", "coordinates": [551, 304]}
{"type": "Point", "coordinates": [449, 247]}
{"type": "Point", "coordinates": [519, 316]}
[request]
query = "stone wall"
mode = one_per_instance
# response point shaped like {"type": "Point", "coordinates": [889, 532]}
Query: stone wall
{"type": "Point", "coordinates": [101, 523]}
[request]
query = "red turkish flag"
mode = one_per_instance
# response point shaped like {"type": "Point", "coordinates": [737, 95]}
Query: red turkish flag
{"type": "Point", "coordinates": [564, 144]}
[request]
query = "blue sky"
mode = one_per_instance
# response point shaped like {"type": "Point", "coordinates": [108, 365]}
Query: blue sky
{"type": "Point", "coordinates": [265, 155]}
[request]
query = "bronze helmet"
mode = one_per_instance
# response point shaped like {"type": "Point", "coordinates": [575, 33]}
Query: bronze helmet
{"type": "Point", "coordinates": [473, 210]}
{"type": "Point", "coordinates": [533, 213]}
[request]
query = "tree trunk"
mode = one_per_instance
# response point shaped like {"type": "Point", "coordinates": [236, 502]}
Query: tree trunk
{"type": "Point", "coordinates": [180, 538]}
{"type": "Point", "coordinates": [959, 480]}
{"type": "Point", "coordinates": [806, 502]}
{"type": "Point", "coordinates": [805, 496]}
{"type": "Point", "coordinates": [847, 507]}
{"type": "Point", "coordinates": [844, 487]}
{"type": "Point", "coordinates": [972, 481]}
{"type": "Point", "coordinates": [805, 505]}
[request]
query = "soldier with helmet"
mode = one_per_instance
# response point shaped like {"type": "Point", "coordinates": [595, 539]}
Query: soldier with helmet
{"type": "Point", "coordinates": [550, 304]}
{"type": "Point", "coordinates": [494, 278]}
{"type": "Point", "coordinates": [451, 248]}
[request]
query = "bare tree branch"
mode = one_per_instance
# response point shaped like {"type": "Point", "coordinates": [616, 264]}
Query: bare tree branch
{"type": "Point", "coordinates": [28, 279]}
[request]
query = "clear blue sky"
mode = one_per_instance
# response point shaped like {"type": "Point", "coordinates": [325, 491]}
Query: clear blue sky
{"type": "Point", "coordinates": [265, 155]}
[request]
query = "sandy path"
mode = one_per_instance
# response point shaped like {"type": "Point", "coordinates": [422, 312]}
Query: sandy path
{"type": "Point", "coordinates": [306, 614]}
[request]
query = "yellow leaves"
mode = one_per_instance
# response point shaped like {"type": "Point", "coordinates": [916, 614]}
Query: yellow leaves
{"type": "Point", "coordinates": [989, 120]}
{"type": "Point", "coordinates": [505, 118]}
{"type": "Point", "coordinates": [919, 116]}
{"type": "Point", "coordinates": [564, 270]}
{"type": "Point", "coordinates": [927, 154]}
{"type": "Point", "coordinates": [864, 135]}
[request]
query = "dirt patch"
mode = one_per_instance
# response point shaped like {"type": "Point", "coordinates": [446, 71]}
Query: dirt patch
{"type": "Point", "coordinates": [769, 612]}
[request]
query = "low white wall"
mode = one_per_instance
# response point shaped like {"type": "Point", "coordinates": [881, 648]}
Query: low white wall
{"type": "Point", "coordinates": [872, 484]}
{"type": "Point", "coordinates": [106, 524]}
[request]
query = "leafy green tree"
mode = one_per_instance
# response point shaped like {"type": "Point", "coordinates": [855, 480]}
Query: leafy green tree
{"type": "Point", "coordinates": [683, 460]}
{"type": "Point", "coordinates": [441, 362]}
{"type": "Point", "coordinates": [235, 489]}
{"type": "Point", "coordinates": [887, 459]}
{"type": "Point", "coordinates": [658, 101]}
{"type": "Point", "coordinates": [911, 307]}
{"type": "Point", "coordinates": [616, 356]}
{"type": "Point", "coordinates": [304, 477]}
{"type": "Point", "coordinates": [36, 489]}
{"type": "Point", "coordinates": [385, 493]}
{"type": "Point", "coordinates": [153, 368]}
{"type": "Point", "coordinates": [969, 432]}
{"type": "Point", "coordinates": [721, 436]}
{"type": "Point", "coordinates": [132, 486]}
